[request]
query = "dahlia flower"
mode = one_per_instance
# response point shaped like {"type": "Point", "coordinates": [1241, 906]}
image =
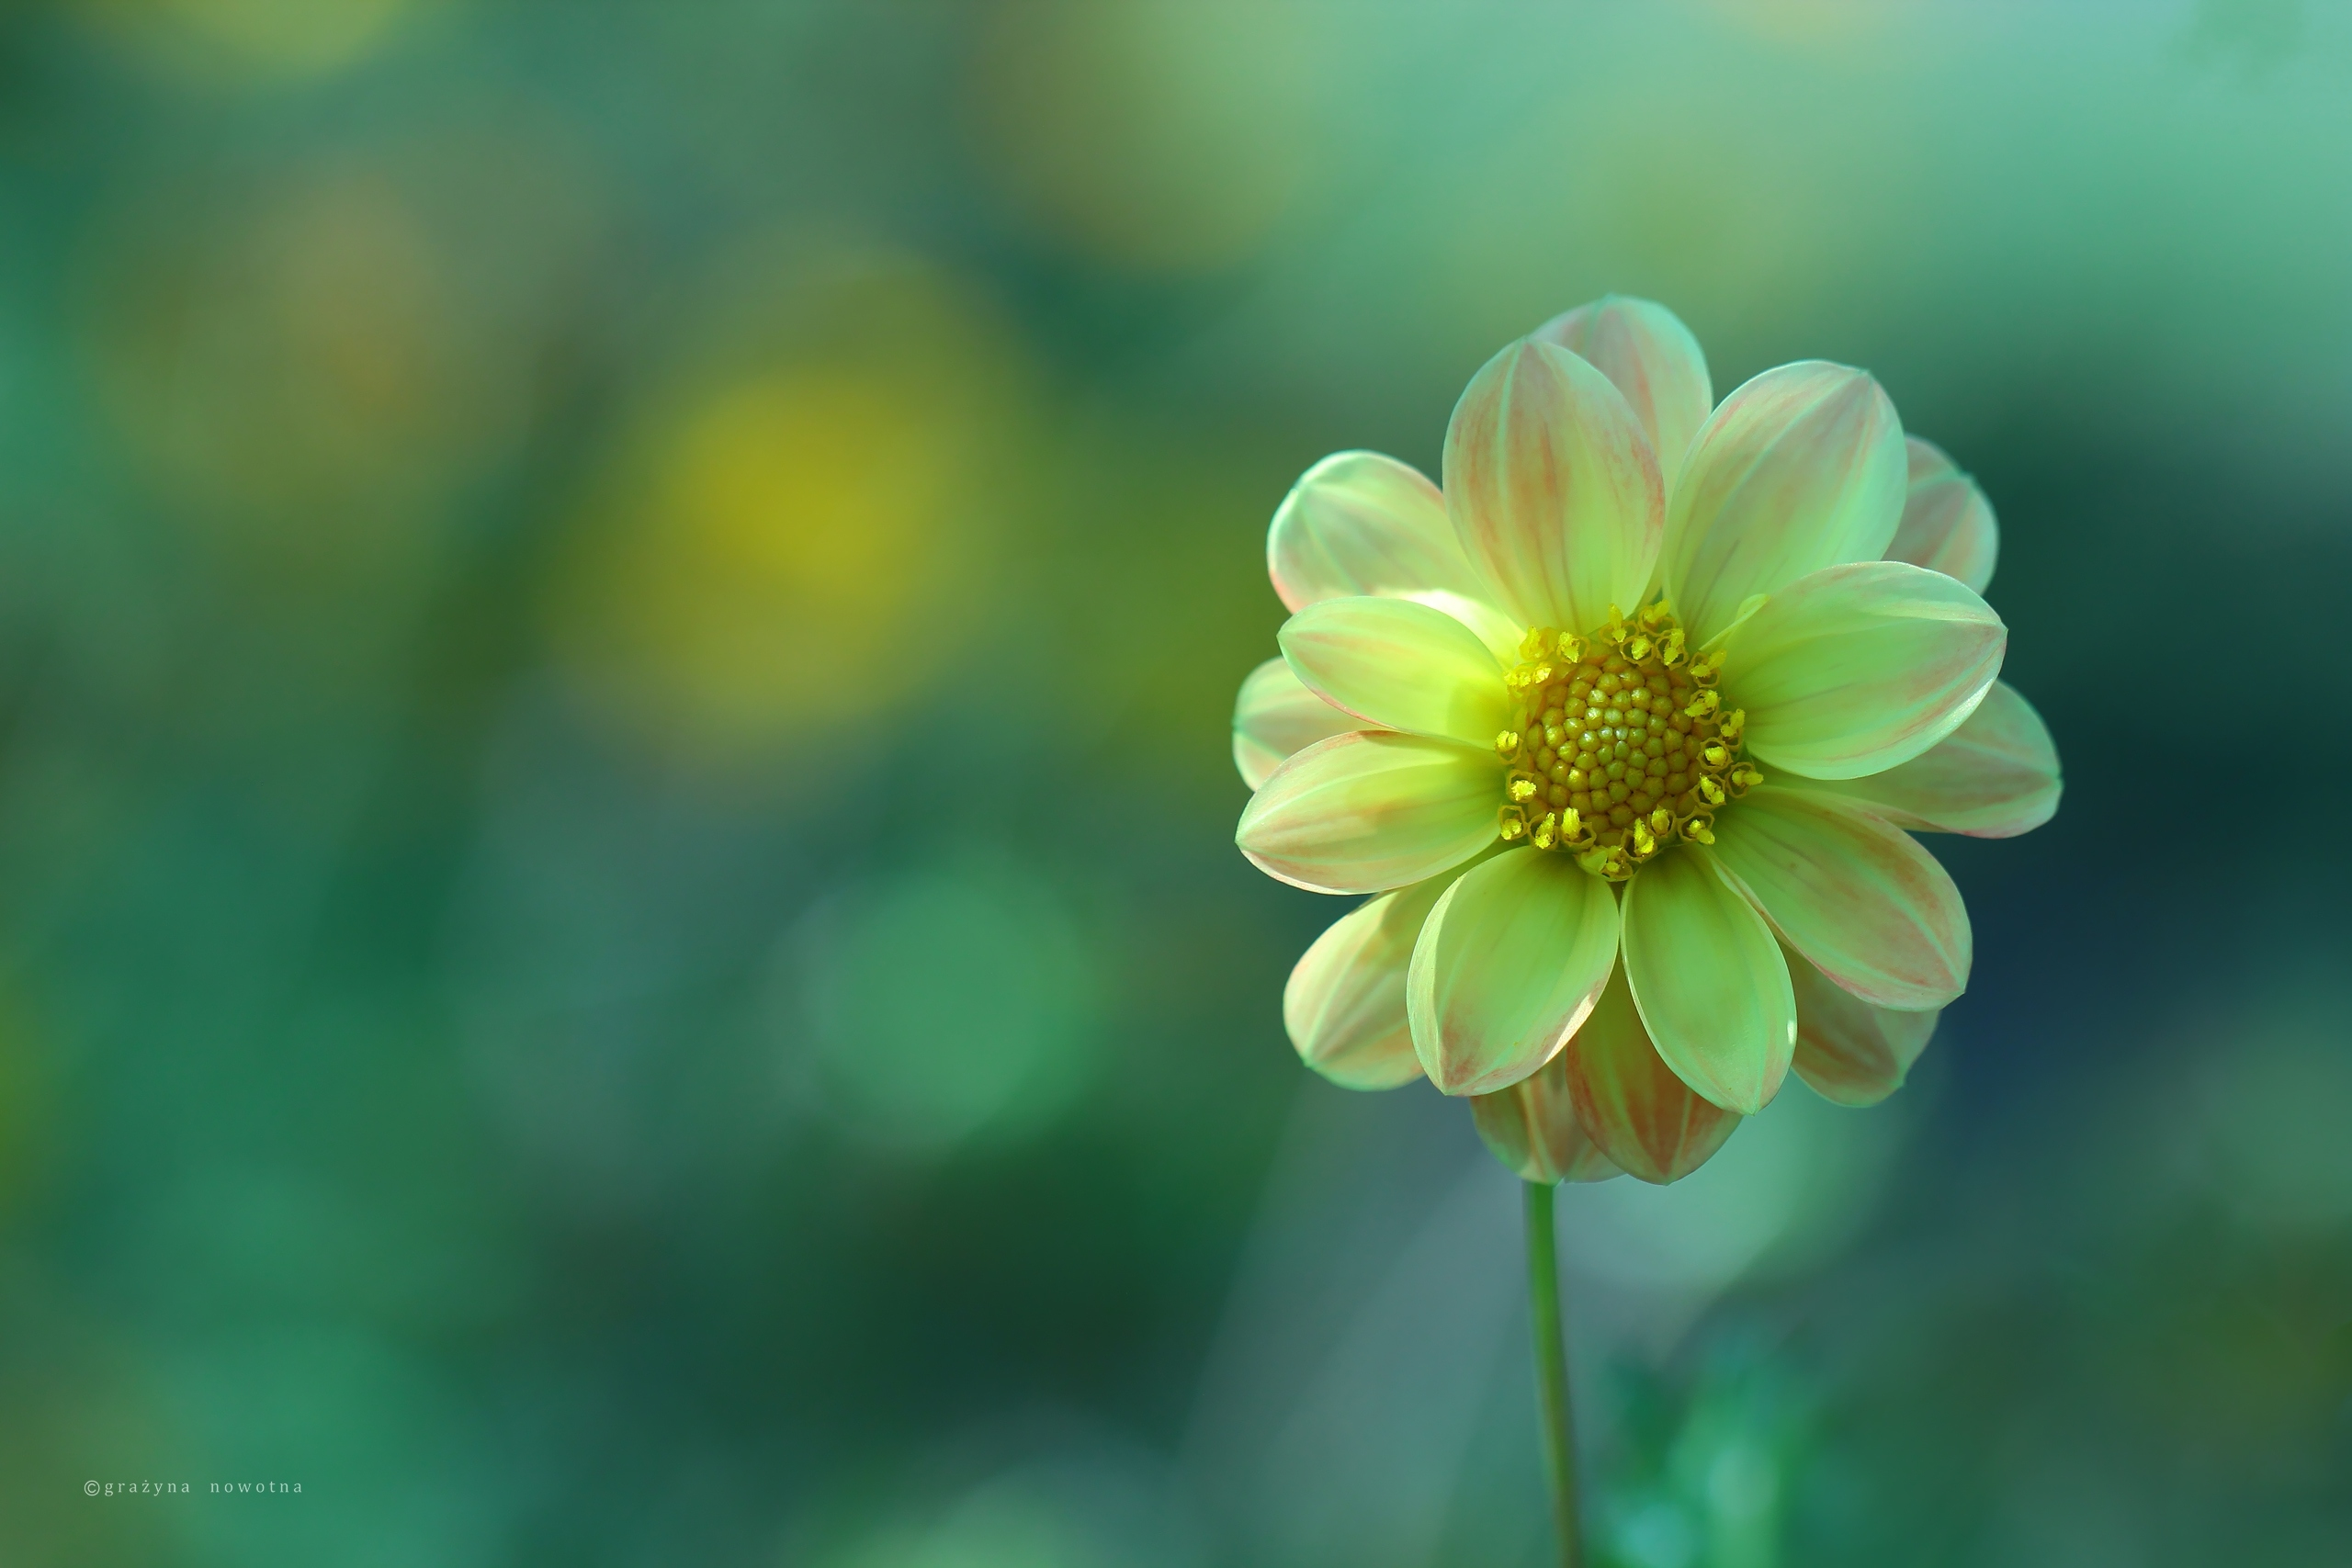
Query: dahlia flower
{"type": "Point", "coordinates": [1625, 728]}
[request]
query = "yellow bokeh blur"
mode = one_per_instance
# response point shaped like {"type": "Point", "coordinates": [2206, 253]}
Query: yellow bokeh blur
{"type": "Point", "coordinates": [799, 534]}
{"type": "Point", "coordinates": [248, 39]}
{"type": "Point", "coordinates": [1156, 135]}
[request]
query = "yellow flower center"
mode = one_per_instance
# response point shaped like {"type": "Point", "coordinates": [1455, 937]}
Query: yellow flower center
{"type": "Point", "coordinates": [1621, 746]}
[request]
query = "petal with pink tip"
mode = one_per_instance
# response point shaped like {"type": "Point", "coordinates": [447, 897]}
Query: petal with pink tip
{"type": "Point", "coordinates": [1360, 522]}
{"type": "Point", "coordinates": [1400, 666]}
{"type": "Point", "coordinates": [1708, 981]}
{"type": "Point", "coordinates": [1552, 488]}
{"type": "Point", "coordinates": [1994, 777]}
{"type": "Point", "coordinates": [1847, 1051]}
{"type": "Point", "coordinates": [1368, 810]}
{"type": "Point", "coordinates": [1800, 468]}
{"type": "Point", "coordinates": [1344, 1006]}
{"type": "Point", "coordinates": [1508, 964]}
{"type": "Point", "coordinates": [1947, 523]}
{"type": "Point", "coordinates": [1650, 357]}
{"type": "Point", "coordinates": [1863, 901]}
{"type": "Point", "coordinates": [1532, 1127]}
{"type": "Point", "coordinates": [1630, 1103]}
{"type": "Point", "coordinates": [1275, 716]}
{"type": "Point", "coordinates": [1858, 669]}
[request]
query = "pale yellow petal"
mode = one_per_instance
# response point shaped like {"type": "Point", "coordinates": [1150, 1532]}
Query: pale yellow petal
{"type": "Point", "coordinates": [1344, 1006]}
{"type": "Point", "coordinates": [1275, 716]}
{"type": "Point", "coordinates": [1800, 468]}
{"type": "Point", "coordinates": [1642, 1116]}
{"type": "Point", "coordinates": [1532, 1127]}
{"type": "Point", "coordinates": [1399, 665]}
{"type": "Point", "coordinates": [1367, 811]}
{"type": "Point", "coordinates": [1861, 899]}
{"type": "Point", "coordinates": [1849, 1051]}
{"type": "Point", "coordinates": [1506, 966]}
{"type": "Point", "coordinates": [1709, 979]}
{"type": "Point", "coordinates": [1552, 488]}
{"type": "Point", "coordinates": [1858, 669]}
{"type": "Point", "coordinates": [1994, 777]}
{"type": "Point", "coordinates": [1650, 357]}
{"type": "Point", "coordinates": [1358, 523]}
{"type": "Point", "coordinates": [1947, 523]}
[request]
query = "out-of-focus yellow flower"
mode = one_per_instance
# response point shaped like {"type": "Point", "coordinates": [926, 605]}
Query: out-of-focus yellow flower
{"type": "Point", "coordinates": [795, 535]}
{"type": "Point", "coordinates": [1625, 727]}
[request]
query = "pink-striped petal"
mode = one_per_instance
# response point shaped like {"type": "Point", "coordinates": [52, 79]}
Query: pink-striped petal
{"type": "Point", "coordinates": [1359, 523]}
{"type": "Point", "coordinates": [1847, 1051]}
{"type": "Point", "coordinates": [1709, 980]}
{"type": "Point", "coordinates": [1629, 1102]}
{"type": "Point", "coordinates": [1994, 777]}
{"type": "Point", "coordinates": [1947, 523]}
{"type": "Point", "coordinates": [1800, 468]}
{"type": "Point", "coordinates": [1508, 964]}
{"type": "Point", "coordinates": [1344, 1006]}
{"type": "Point", "coordinates": [1399, 665]}
{"type": "Point", "coordinates": [1858, 669]}
{"type": "Point", "coordinates": [1863, 901]}
{"type": "Point", "coordinates": [1532, 1127]}
{"type": "Point", "coordinates": [1275, 716]}
{"type": "Point", "coordinates": [1367, 811]}
{"type": "Point", "coordinates": [1552, 488]}
{"type": "Point", "coordinates": [1650, 357]}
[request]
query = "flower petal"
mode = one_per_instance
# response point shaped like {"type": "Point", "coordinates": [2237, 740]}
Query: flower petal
{"type": "Point", "coordinates": [1359, 523]}
{"type": "Point", "coordinates": [1532, 1127]}
{"type": "Point", "coordinates": [1709, 979]}
{"type": "Point", "coordinates": [1856, 669]}
{"type": "Point", "coordinates": [1861, 899]}
{"type": "Point", "coordinates": [1650, 357]}
{"type": "Point", "coordinates": [1274, 716]}
{"type": "Point", "coordinates": [1367, 811]}
{"type": "Point", "coordinates": [1641, 1115]}
{"type": "Point", "coordinates": [1401, 666]}
{"type": "Point", "coordinates": [1344, 1006]}
{"type": "Point", "coordinates": [1800, 468]}
{"type": "Point", "coordinates": [1947, 523]}
{"type": "Point", "coordinates": [1994, 777]}
{"type": "Point", "coordinates": [1508, 964]}
{"type": "Point", "coordinates": [1552, 488]}
{"type": "Point", "coordinates": [1849, 1051]}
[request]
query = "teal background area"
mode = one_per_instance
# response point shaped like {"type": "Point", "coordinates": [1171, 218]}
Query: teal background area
{"type": "Point", "coordinates": [619, 942]}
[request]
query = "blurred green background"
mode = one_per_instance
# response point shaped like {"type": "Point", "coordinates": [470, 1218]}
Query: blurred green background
{"type": "Point", "coordinates": [618, 936]}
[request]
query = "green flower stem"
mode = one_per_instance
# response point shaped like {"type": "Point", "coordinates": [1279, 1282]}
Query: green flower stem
{"type": "Point", "coordinates": [1552, 1370]}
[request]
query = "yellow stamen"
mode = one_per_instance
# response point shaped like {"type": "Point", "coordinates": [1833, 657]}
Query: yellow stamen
{"type": "Point", "coordinates": [1619, 749]}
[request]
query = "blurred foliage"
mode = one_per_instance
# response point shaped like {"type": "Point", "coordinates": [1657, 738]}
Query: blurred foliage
{"type": "Point", "coordinates": [619, 941]}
